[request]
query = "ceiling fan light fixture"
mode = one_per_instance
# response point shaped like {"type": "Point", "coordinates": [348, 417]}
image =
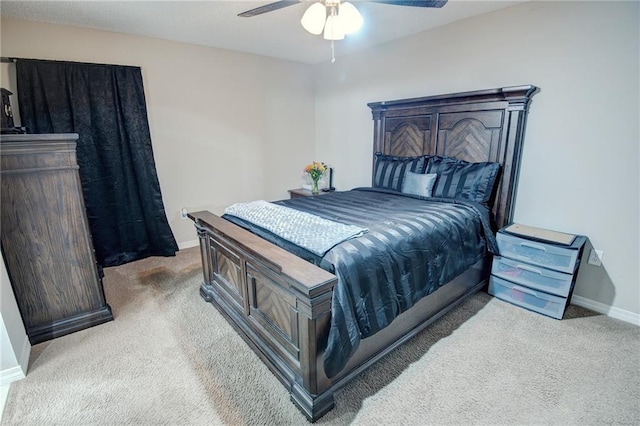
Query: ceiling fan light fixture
{"type": "Point", "coordinates": [333, 29]}
{"type": "Point", "coordinates": [314, 18]}
{"type": "Point", "coordinates": [335, 17]}
{"type": "Point", "coordinates": [350, 19]}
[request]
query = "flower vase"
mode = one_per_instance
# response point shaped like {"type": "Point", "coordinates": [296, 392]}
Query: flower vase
{"type": "Point", "coordinates": [314, 187]}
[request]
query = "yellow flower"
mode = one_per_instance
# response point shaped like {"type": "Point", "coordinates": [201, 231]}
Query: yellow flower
{"type": "Point", "coordinates": [315, 170]}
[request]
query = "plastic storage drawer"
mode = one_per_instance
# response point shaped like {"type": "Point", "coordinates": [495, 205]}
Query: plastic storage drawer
{"type": "Point", "coordinates": [541, 254]}
{"type": "Point", "coordinates": [538, 301]}
{"type": "Point", "coordinates": [535, 277]}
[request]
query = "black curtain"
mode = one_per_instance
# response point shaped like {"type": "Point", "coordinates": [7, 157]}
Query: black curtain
{"type": "Point", "coordinates": [105, 105]}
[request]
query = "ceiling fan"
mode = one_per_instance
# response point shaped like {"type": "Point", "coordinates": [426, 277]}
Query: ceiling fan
{"type": "Point", "coordinates": [334, 18]}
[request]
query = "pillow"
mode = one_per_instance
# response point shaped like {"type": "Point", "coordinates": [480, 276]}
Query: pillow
{"type": "Point", "coordinates": [418, 183]}
{"type": "Point", "coordinates": [389, 170]}
{"type": "Point", "coordinates": [436, 163]}
{"type": "Point", "coordinates": [467, 181]}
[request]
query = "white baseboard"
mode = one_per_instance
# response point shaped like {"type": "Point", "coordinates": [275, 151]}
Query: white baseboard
{"type": "Point", "coordinates": [11, 375]}
{"type": "Point", "coordinates": [19, 371]}
{"type": "Point", "coordinates": [617, 313]}
{"type": "Point", "coordinates": [188, 244]}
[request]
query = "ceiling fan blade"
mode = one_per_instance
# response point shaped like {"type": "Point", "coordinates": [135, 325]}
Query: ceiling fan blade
{"type": "Point", "coordinates": [268, 8]}
{"type": "Point", "coordinates": [414, 3]}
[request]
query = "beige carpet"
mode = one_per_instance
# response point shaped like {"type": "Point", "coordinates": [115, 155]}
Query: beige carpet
{"type": "Point", "coordinates": [169, 358]}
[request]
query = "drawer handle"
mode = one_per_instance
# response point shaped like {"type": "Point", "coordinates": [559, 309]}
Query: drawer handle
{"type": "Point", "coordinates": [533, 246]}
{"type": "Point", "coordinates": [525, 290]}
{"type": "Point", "coordinates": [529, 268]}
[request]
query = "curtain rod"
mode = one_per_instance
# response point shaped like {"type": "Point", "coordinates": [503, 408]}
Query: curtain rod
{"type": "Point", "coordinates": [13, 60]}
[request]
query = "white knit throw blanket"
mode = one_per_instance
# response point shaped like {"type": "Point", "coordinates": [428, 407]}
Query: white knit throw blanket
{"type": "Point", "coordinates": [306, 230]}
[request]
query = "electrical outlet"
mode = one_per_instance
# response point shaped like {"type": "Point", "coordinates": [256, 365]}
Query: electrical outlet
{"type": "Point", "coordinates": [595, 257]}
{"type": "Point", "coordinates": [183, 213]}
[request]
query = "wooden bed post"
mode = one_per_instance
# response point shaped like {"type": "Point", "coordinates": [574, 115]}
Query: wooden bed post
{"type": "Point", "coordinates": [204, 252]}
{"type": "Point", "coordinates": [311, 395]}
{"type": "Point", "coordinates": [518, 98]}
{"type": "Point", "coordinates": [378, 136]}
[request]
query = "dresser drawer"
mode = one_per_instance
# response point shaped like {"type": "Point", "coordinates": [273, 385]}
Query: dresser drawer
{"type": "Point", "coordinates": [537, 253]}
{"type": "Point", "coordinates": [538, 301]}
{"type": "Point", "coordinates": [536, 277]}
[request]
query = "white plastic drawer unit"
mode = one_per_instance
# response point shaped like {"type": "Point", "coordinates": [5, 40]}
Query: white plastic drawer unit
{"type": "Point", "coordinates": [538, 301]}
{"type": "Point", "coordinates": [536, 277]}
{"type": "Point", "coordinates": [534, 252]}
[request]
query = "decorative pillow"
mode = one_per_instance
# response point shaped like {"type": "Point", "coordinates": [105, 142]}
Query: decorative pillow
{"type": "Point", "coordinates": [418, 183]}
{"type": "Point", "coordinates": [467, 181]}
{"type": "Point", "coordinates": [436, 163]}
{"type": "Point", "coordinates": [389, 170]}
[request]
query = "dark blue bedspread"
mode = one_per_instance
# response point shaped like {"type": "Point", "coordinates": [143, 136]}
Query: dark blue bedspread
{"type": "Point", "coordinates": [414, 246]}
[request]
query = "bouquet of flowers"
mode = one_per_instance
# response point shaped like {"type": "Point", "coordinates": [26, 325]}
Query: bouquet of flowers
{"type": "Point", "coordinates": [315, 171]}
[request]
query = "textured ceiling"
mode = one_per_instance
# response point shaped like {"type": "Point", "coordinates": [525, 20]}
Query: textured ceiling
{"type": "Point", "coordinates": [215, 23]}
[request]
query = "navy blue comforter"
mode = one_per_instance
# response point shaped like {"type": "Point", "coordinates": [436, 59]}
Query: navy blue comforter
{"type": "Point", "coordinates": [414, 245]}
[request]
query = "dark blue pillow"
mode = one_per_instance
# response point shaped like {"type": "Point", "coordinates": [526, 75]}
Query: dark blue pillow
{"type": "Point", "coordinates": [462, 180]}
{"type": "Point", "coordinates": [436, 163]}
{"type": "Point", "coordinates": [389, 170]}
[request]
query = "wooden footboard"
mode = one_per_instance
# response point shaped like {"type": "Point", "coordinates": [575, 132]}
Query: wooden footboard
{"type": "Point", "coordinates": [281, 305]}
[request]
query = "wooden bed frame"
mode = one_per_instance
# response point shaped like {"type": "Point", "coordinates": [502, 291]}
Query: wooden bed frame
{"type": "Point", "coordinates": [281, 304]}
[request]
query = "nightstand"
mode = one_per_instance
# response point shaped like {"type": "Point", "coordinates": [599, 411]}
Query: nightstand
{"type": "Point", "coordinates": [536, 273]}
{"type": "Point", "coordinates": [300, 192]}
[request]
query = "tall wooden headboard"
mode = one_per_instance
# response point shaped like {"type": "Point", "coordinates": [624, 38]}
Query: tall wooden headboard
{"type": "Point", "coordinates": [479, 126]}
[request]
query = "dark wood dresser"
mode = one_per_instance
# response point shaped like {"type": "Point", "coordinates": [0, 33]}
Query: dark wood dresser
{"type": "Point", "coordinates": [45, 237]}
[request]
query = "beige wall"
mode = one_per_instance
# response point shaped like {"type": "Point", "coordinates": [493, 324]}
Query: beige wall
{"type": "Point", "coordinates": [580, 163]}
{"type": "Point", "coordinates": [225, 126]}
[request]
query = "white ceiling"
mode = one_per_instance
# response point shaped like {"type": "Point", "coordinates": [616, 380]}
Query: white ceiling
{"type": "Point", "coordinates": [215, 23]}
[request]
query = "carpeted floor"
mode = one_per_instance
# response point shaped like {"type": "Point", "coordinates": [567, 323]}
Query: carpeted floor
{"type": "Point", "coordinates": [169, 358]}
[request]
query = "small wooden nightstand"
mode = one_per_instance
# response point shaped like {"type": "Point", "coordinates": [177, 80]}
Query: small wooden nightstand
{"type": "Point", "coordinates": [300, 192]}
